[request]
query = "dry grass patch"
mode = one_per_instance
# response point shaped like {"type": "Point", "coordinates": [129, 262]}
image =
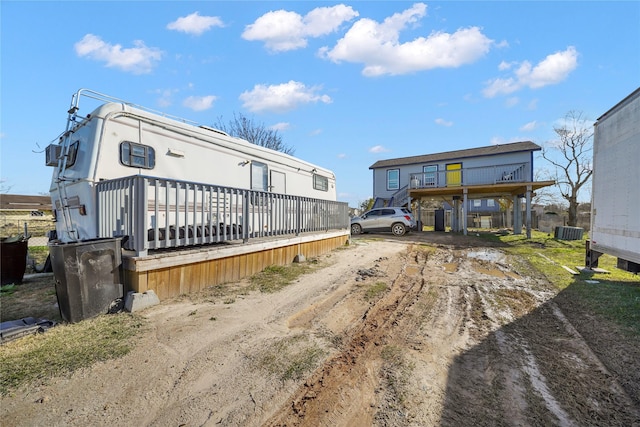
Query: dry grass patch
{"type": "Point", "coordinates": [65, 348]}
{"type": "Point", "coordinates": [290, 358]}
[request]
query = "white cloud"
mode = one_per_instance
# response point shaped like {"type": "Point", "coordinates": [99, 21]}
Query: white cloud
{"type": "Point", "coordinates": [551, 70]}
{"type": "Point", "coordinates": [280, 126]}
{"type": "Point", "coordinates": [377, 46]}
{"type": "Point", "coordinates": [443, 122]}
{"type": "Point", "coordinates": [512, 101]}
{"type": "Point", "coordinates": [139, 59]}
{"type": "Point", "coordinates": [281, 98]}
{"type": "Point", "coordinates": [283, 30]}
{"type": "Point", "coordinates": [378, 149]}
{"type": "Point", "coordinates": [315, 132]}
{"type": "Point", "coordinates": [500, 86]}
{"type": "Point", "coordinates": [199, 103]}
{"type": "Point", "coordinates": [195, 24]}
{"type": "Point", "coordinates": [342, 156]}
{"type": "Point", "coordinates": [165, 96]}
{"type": "Point", "coordinates": [497, 140]}
{"type": "Point", "coordinates": [529, 126]}
{"type": "Point", "coordinates": [504, 66]}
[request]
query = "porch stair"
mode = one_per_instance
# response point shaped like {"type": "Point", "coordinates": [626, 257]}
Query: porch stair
{"type": "Point", "coordinates": [399, 198]}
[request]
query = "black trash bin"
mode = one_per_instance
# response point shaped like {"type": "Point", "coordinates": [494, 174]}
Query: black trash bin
{"type": "Point", "coordinates": [439, 220]}
{"type": "Point", "coordinates": [88, 277]}
{"type": "Point", "coordinates": [14, 259]}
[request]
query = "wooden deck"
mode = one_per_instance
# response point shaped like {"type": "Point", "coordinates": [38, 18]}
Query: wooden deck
{"type": "Point", "coordinates": [178, 272]}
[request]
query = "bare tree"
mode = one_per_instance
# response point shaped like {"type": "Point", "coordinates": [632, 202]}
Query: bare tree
{"type": "Point", "coordinates": [571, 157]}
{"type": "Point", "coordinates": [365, 205]}
{"type": "Point", "coordinates": [544, 196]}
{"type": "Point", "coordinates": [4, 187]}
{"type": "Point", "coordinates": [256, 133]}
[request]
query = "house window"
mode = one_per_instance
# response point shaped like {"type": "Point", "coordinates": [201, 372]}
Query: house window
{"type": "Point", "coordinates": [320, 182]}
{"type": "Point", "coordinates": [259, 180]}
{"type": "Point", "coordinates": [137, 155]}
{"type": "Point", "coordinates": [491, 203]}
{"type": "Point", "coordinates": [429, 173]}
{"type": "Point", "coordinates": [393, 179]}
{"type": "Point", "coordinates": [477, 203]}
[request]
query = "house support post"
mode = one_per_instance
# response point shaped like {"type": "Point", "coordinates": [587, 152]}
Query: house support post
{"type": "Point", "coordinates": [528, 212]}
{"type": "Point", "coordinates": [464, 211]}
{"type": "Point", "coordinates": [454, 215]}
{"type": "Point", "coordinates": [517, 215]}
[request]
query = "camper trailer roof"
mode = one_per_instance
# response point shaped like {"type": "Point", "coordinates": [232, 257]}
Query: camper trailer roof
{"type": "Point", "coordinates": [209, 134]}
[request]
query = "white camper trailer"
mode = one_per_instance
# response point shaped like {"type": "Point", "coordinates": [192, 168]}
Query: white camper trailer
{"type": "Point", "coordinates": [124, 170]}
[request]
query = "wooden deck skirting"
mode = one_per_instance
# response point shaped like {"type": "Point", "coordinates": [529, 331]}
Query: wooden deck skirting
{"type": "Point", "coordinates": [170, 274]}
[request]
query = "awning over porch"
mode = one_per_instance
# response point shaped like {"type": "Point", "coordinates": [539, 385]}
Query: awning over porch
{"type": "Point", "coordinates": [479, 191]}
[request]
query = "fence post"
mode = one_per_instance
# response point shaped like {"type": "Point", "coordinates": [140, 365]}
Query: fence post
{"type": "Point", "coordinates": [245, 216]}
{"type": "Point", "coordinates": [140, 216]}
{"type": "Point", "coordinates": [298, 216]}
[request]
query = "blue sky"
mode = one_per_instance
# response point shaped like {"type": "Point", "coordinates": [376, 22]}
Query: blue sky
{"type": "Point", "coordinates": [346, 84]}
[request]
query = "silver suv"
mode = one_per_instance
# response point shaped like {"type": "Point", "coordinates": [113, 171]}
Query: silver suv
{"type": "Point", "coordinates": [397, 220]}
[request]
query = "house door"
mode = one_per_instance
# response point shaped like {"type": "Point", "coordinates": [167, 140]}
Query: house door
{"type": "Point", "coordinates": [278, 183]}
{"type": "Point", "coordinates": [454, 174]}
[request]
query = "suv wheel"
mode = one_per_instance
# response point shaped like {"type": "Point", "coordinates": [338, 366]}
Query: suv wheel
{"type": "Point", "coordinates": [398, 229]}
{"type": "Point", "coordinates": [356, 229]}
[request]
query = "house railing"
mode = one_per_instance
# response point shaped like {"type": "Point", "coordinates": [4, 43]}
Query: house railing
{"type": "Point", "coordinates": [487, 175]}
{"type": "Point", "coordinates": [155, 213]}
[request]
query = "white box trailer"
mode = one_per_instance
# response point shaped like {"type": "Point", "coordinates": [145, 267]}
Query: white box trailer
{"type": "Point", "coordinates": [615, 203]}
{"type": "Point", "coordinates": [119, 139]}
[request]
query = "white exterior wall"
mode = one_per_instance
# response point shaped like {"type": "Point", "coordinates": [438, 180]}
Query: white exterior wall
{"type": "Point", "coordinates": [615, 205]}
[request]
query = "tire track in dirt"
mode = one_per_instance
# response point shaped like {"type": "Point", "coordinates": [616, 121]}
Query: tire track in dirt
{"type": "Point", "coordinates": [342, 391]}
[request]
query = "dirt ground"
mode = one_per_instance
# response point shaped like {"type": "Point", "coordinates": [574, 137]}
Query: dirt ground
{"type": "Point", "coordinates": [388, 332]}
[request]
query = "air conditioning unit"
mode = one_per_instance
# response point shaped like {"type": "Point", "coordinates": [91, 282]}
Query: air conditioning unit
{"type": "Point", "coordinates": [568, 233]}
{"type": "Point", "coordinates": [53, 152]}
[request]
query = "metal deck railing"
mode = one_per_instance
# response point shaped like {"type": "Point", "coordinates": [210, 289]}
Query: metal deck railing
{"type": "Point", "coordinates": [157, 213]}
{"type": "Point", "coordinates": [488, 175]}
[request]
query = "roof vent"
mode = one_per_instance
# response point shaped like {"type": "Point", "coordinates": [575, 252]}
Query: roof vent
{"type": "Point", "coordinates": [213, 130]}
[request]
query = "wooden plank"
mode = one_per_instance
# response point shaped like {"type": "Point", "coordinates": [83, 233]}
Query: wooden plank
{"type": "Point", "coordinates": [592, 270]}
{"type": "Point", "coordinates": [159, 282]}
{"type": "Point", "coordinates": [570, 270]}
{"type": "Point", "coordinates": [242, 267]}
{"type": "Point", "coordinates": [190, 274]}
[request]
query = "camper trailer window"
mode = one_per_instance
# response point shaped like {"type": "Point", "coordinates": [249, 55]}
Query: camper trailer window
{"type": "Point", "coordinates": [73, 154]}
{"type": "Point", "coordinates": [258, 176]}
{"type": "Point", "coordinates": [320, 182]}
{"type": "Point", "coordinates": [137, 155]}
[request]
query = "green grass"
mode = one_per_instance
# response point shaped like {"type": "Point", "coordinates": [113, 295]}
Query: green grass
{"type": "Point", "coordinates": [616, 301]}
{"type": "Point", "coordinates": [375, 290]}
{"type": "Point", "coordinates": [616, 296]}
{"type": "Point", "coordinates": [66, 348]}
{"type": "Point", "coordinates": [276, 277]}
{"type": "Point", "coordinates": [39, 253]}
